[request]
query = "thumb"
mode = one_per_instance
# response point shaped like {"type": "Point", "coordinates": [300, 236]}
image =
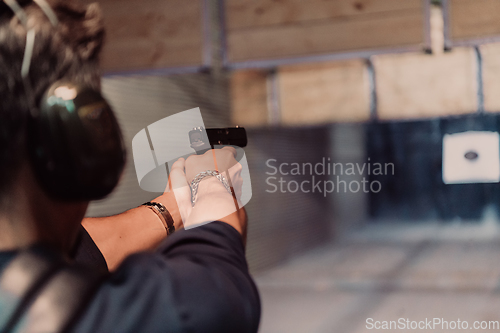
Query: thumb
{"type": "Point", "coordinates": [177, 175]}
{"type": "Point", "coordinates": [182, 192]}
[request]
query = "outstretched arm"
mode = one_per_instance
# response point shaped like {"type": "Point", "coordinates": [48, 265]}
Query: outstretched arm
{"type": "Point", "coordinates": [138, 229]}
{"type": "Point", "coordinates": [196, 281]}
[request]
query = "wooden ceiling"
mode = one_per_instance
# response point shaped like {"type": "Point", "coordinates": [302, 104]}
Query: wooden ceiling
{"type": "Point", "coordinates": [172, 34]}
{"type": "Point", "coordinates": [471, 21]}
{"type": "Point", "coordinates": [152, 34]}
{"type": "Point", "coordinates": [270, 29]}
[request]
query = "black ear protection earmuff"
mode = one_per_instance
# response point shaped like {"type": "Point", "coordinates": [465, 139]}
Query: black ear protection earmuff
{"type": "Point", "coordinates": [74, 139]}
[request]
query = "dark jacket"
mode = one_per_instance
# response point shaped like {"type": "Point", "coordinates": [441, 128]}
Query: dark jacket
{"type": "Point", "coordinates": [197, 281]}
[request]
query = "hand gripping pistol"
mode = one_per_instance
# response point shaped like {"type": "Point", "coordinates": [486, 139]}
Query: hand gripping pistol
{"type": "Point", "coordinates": [202, 139]}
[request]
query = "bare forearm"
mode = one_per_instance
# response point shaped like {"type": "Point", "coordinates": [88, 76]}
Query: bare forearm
{"type": "Point", "coordinates": [118, 236]}
{"type": "Point", "coordinates": [138, 229]}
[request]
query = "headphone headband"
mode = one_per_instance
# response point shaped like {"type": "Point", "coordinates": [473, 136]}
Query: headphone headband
{"type": "Point", "coordinates": [74, 139]}
{"type": "Point", "coordinates": [16, 6]}
{"type": "Point", "coordinates": [48, 11]}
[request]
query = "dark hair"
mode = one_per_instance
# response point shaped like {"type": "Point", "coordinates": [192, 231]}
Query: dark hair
{"type": "Point", "coordinates": [69, 50]}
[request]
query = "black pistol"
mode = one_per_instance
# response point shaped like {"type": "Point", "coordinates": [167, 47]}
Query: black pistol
{"type": "Point", "coordinates": [202, 139]}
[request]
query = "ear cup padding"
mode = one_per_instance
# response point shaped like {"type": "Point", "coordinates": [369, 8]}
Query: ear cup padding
{"type": "Point", "coordinates": [75, 143]}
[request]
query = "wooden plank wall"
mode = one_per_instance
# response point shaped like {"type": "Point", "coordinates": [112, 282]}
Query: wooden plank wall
{"type": "Point", "coordinates": [249, 97]}
{"type": "Point", "coordinates": [307, 94]}
{"type": "Point", "coordinates": [417, 85]}
{"type": "Point", "coordinates": [152, 34]}
{"type": "Point", "coordinates": [473, 19]}
{"type": "Point", "coordinates": [411, 86]}
{"type": "Point", "coordinates": [324, 92]}
{"type": "Point", "coordinates": [408, 86]}
{"type": "Point", "coordinates": [268, 29]}
{"type": "Point", "coordinates": [491, 76]}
